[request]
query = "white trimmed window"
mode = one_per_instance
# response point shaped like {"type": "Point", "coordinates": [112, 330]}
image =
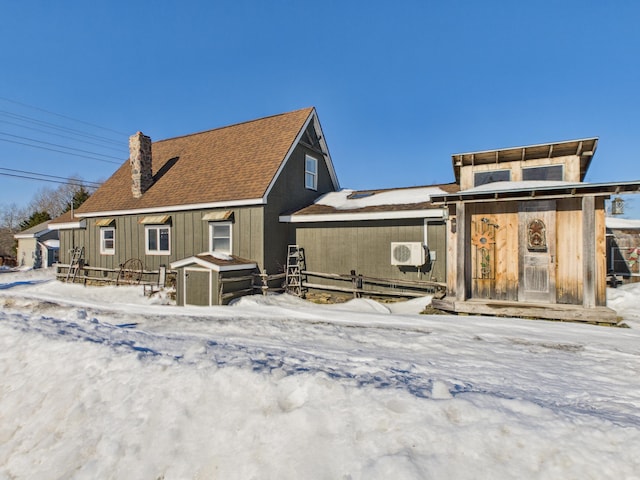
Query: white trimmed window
{"type": "Point", "coordinates": [157, 239]}
{"type": "Point", "coordinates": [220, 237]}
{"type": "Point", "coordinates": [310, 173]}
{"type": "Point", "coordinates": [107, 241]}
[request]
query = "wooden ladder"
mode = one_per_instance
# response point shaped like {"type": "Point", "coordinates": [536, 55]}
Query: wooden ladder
{"type": "Point", "coordinates": [76, 259]}
{"type": "Point", "coordinates": [296, 265]}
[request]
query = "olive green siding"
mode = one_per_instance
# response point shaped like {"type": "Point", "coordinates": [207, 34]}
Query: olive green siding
{"type": "Point", "coordinates": [68, 240]}
{"type": "Point", "coordinates": [257, 233]}
{"type": "Point", "coordinates": [287, 195]}
{"type": "Point", "coordinates": [365, 246]}
{"type": "Point", "coordinates": [189, 236]}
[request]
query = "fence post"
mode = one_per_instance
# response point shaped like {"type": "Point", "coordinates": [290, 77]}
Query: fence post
{"type": "Point", "coordinates": [265, 283]}
{"type": "Point", "coordinates": [356, 282]}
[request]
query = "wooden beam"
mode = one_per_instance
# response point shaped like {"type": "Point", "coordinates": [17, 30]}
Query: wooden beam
{"type": "Point", "coordinates": [568, 313]}
{"type": "Point", "coordinates": [461, 252]}
{"type": "Point", "coordinates": [579, 150]}
{"type": "Point", "coordinates": [589, 251]}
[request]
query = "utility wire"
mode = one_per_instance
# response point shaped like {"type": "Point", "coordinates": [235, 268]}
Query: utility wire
{"type": "Point", "coordinates": [56, 145]}
{"type": "Point", "coordinates": [74, 184]}
{"type": "Point", "coordinates": [59, 146]}
{"type": "Point", "coordinates": [53, 126]}
{"type": "Point", "coordinates": [61, 116]}
{"type": "Point", "coordinates": [35, 174]}
{"type": "Point", "coordinates": [63, 136]}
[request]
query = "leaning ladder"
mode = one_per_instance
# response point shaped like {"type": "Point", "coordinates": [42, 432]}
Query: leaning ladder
{"type": "Point", "coordinates": [76, 259]}
{"type": "Point", "coordinates": [296, 265]}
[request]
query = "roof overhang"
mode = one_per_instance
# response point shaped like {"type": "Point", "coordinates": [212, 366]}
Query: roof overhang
{"type": "Point", "coordinates": [52, 243]}
{"type": "Point", "coordinates": [584, 148]}
{"type": "Point", "coordinates": [154, 220]}
{"type": "Point", "coordinates": [359, 216]}
{"type": "Point", "coordinates": [105, 222]}
{"type": "Point", "coordinates": [175, 208]}
{"type": "Point", "coordinates": [68, 225]}
{"type": "Point", "coordinates": [218, 216]}
{"type": "Point", "coordinates": [550, 192]}
{"type": "Point", "coordinates": [206, 261]}
{"type": "Point", "coordinates": [20, 236]}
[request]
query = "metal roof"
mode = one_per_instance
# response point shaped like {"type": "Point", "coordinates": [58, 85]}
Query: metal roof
{"type": "Point", "coordinates": [528, 193]}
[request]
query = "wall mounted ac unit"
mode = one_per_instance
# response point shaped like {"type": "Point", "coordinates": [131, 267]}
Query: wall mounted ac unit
{"type": "Point", "coordinates": [407, 253]}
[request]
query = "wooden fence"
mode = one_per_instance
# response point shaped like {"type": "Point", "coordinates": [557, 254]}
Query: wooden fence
{"type": "Point", "coordinates": [353, 283]}
{"type": "Point", "coordinates": [117, 276]}
{"type": "Point", "coordinates": [359, 285]}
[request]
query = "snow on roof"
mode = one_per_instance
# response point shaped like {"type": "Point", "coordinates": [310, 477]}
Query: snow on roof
{"type": "Point", "coordinates": [350, 199]}
{"type": "Point", "coordinates": [614, 222]}
{"type": "Point", "coordinates": [52, 243]}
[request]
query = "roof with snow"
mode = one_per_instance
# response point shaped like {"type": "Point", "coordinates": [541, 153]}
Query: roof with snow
{"type": "Point", "coordinates": [616, 223]}
{"type": "Point", "coordinates": [345, 205]}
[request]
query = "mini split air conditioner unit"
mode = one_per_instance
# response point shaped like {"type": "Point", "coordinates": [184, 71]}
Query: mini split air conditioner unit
{"type": "Point", "coordinates": [407, 253]}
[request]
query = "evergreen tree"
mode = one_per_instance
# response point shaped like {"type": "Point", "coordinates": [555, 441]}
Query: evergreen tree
{"type": "Point", "coordinates": [36, 218]}
{"type": "Point", "coordinates": [79, 197]}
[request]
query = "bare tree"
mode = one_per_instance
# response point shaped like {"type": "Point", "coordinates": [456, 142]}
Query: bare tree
{"type": "Point", "coordinates": [10, 218]}
{"type": "Point", "coordinates": [57, 201]}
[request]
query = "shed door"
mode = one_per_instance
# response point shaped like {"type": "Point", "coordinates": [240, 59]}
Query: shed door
{"type": "Point", "coordinates": [197, 287]}
{"type": "Point", "coordinates": [537, 251]}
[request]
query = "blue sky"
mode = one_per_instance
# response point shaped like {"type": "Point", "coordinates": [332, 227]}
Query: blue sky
{"type": "Point", "coordinates": [399, 86]}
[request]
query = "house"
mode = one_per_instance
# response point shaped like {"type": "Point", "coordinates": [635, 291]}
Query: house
{"type": "Point", "coordinates": [526, 235]}
{"type": "Point", "coordinates": [38, 246]}
{"type": "Point", "coordinates": [391, 234]}
{"type": "Point", "coordinates": [206, 204]}
{"type": "Point", "coordinates": [623, 250]}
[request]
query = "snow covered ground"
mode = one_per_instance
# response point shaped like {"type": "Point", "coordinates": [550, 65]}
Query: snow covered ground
{"type": "Point", "coordinates": [101, 382]}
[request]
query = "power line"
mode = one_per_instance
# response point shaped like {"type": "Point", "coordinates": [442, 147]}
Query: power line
{"type": "Point", "coordinates": [35, 175]}
{"type": "Point", "coordinates": [56, 145]}
{"type": "Point", "coordinates": [64, 136]}
{"type": "Point", "coordinates": [61, 116]}
{"type": "Point", "coordinates": [62, 151]}
{"type": "Point", "coordinates": [74, 184]}
{"type": "Point", "coordinates": [53, 126]}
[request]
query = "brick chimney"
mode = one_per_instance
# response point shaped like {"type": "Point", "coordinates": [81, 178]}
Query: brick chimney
{"type": "Point", "coordinates": [140, 160]}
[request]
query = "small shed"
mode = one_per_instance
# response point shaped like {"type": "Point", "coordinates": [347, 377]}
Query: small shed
{"type": "Point", "coordinates": [213, 279]}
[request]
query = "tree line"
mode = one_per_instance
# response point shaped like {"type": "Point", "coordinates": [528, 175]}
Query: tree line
{"type": "Point", "coordinates": [47, 204]}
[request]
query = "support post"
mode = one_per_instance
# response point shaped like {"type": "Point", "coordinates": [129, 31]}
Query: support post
{"type": "Point", "coordinates": [461, 252]}
{"type": "Point", "coordinates": [589, 251]}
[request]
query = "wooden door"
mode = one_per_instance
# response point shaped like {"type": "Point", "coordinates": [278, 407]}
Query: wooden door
{"type": "Point", "coordinates": [483, 256]}
{"type": "Point", "coordinates": [197, 287]}
{"type": "Point", "coordinates": [537, 251]}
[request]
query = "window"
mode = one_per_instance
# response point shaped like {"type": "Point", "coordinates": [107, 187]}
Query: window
{"type": "Point", "coordinates": [220, 235]}
{"type": "Point", "coordinates": [108, 241]}
{"type": "Point", "coordinates": [482, 178]}
{"type": "Point", "coordinates": [310, 173]}
{"type": "Point", "coordinates": [158, 238]}
{"type": "Point", "coordinates": [552, 172]}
